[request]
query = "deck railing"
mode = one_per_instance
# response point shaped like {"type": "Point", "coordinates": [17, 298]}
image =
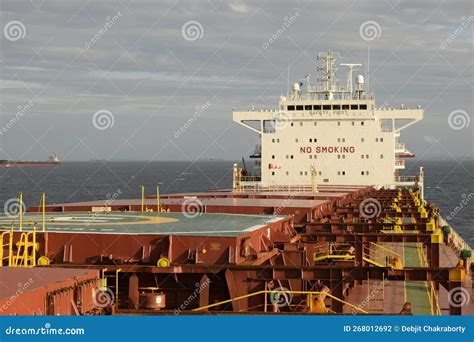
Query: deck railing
{"type": "Point", "coordinates": [257, 187]}
{"type": "Point", "coordinates": [406, 179]}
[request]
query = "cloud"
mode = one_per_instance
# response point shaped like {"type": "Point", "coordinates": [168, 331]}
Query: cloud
{"type": "Point", "coordinates": [239, 7]}
{"type": "Point", "coordinates": [142, 66]}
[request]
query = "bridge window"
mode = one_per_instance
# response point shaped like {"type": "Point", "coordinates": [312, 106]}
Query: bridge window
{"type": "Point", "coordinates": [308, 107]}
{"type": "Point", "coordinates": [268, 126]}
{"type": "Point", "coordinates": [317, 107]}
{"type": "Point", "coordinates": [291, 107]}
{"type": "Point", "coordinates": [363, 107]}
{"type": "Point", "coordinates": [326, 107]}
{"type": "Point", "coordinates": [336, 107]}
{"type": "Point", "coordinates": [299, 107]}
{"type": "Point", "coordinates": [354, 107]}
{"type": "Point", "coordinates": [345, 107]}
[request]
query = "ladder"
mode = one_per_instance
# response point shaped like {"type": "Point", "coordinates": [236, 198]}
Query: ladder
{"type": "Point", "coordinates": [6, 242]}
{"type": "Point", "coordinates": [21, 253]}
{"type": "Point", "coordinates": [26, 250]}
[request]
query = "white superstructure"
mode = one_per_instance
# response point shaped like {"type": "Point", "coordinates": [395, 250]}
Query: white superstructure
{"type": "Point", "coordinates": [53, 158]}
{"type": "Point", "coordinates": [330, 134]}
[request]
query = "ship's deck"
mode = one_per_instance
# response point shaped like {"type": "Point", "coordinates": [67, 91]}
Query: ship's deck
{"type": "Point", "coordinates": [389, 296]}
{"type": "Point", "coordinates": [192, 224]}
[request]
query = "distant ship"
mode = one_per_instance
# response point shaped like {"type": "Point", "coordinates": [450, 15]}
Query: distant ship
{"type": "Point", "coordinates": [53, 160]}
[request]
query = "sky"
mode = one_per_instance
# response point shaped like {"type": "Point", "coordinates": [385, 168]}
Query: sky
{"type": "Point", "coordinates": [158, 80]}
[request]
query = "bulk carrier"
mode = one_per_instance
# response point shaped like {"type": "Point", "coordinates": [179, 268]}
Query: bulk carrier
{"type": "Point", "coordinates": [53, 160]}
{"type": "Point", "coordinates": [326, 224]}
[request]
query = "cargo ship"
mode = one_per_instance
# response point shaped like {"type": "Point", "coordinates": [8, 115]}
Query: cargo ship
{"type": "Point", "coordinates": [53, 160]}
{"type": "Point", "coordinates": [324, 224]}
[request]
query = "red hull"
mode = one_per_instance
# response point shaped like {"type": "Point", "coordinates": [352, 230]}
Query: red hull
{"type": "Point", "coordinates": [29, 164]}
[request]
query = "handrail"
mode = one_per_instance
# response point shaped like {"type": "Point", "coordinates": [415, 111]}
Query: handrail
{"type": "Point", "coordinates": [280, 292]}
{"type": "Point", "coordinates": [10, 247]}
{"type": "Point", "coordinates": [385, 248]}
{"type": "Point", "coordinates": [435, 309]}
{"type": "Point", "coordinates": [422, 255]}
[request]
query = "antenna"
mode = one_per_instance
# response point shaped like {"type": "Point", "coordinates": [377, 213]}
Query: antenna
{"type": "Point", "coordinates": [350, 66]}
{"type": "Point", "coordinates": [368, 69]}
{"type": "Point", "coordinates": [327, 68]}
